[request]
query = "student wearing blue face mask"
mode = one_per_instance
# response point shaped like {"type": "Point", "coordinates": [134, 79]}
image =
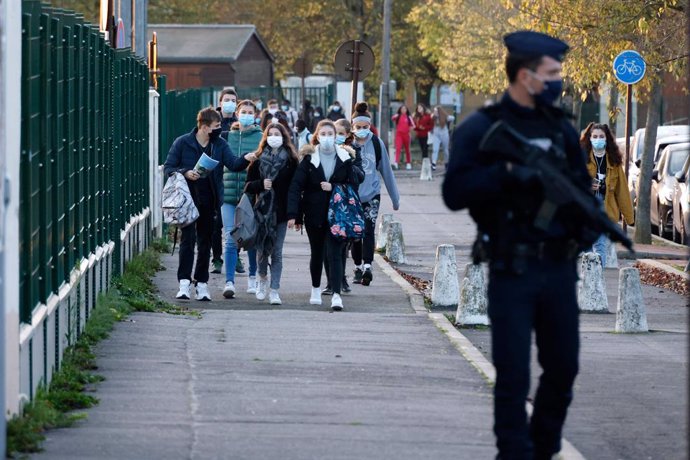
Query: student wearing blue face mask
{"type": "Point", "coordinates": [227, 103]}
{"type": "Point", "coordinates": [605, 166]}
{"type": "Point", "coordinates": [336, 112]}
{"type": "Point", "coordinates": [324, 164]}
{"type": "Point", "coordinates": [374, 162]}
{"type": "Point", "coordinates": [244, 136]}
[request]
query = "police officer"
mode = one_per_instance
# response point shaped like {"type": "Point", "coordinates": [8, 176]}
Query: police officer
{"type": "Point", "coordinates": [532, 268]}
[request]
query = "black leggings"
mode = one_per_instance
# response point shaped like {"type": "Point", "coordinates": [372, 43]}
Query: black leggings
{"type": "Point", "coordinates": [320, 241]}
{"type": "Point", "coordinates": [423, 143]}
{"type": "Point", "coordinates": [364, 248]}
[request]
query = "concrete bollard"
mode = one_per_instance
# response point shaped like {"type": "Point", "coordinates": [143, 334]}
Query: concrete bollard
{"type": "Point", "coordinates": [631, 314]}
{"type": "Point", "coordinates": [426, 170]}
{"type": "Point", "coordinates": [382, 236]}
{"type": "Point", "coordinates": [592, 292]}
{"type": "Point", "coordinates": [612, 256]}
{"type": "Point", "coordinates": [472, 308]}
{"type": "Point", "coordinates": [444, 289]}
{"type": "Point", "coordinates": [395, 245]}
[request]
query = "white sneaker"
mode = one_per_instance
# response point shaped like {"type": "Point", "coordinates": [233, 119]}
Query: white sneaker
{"type": "Point", "coordinates": [202, 292]}
{"type": "Point", "coordinates": [336, 302]}
{"type": "Point", "coordinates": [251, 285]}
{"type": "Point", "coordinates": [408, 166]}
{"type": "Point", "coordinates": [185, 290]}
{"type": "Point", "coordinates": [394, 165]}
{"type": "Point", "coordinates": [261, 289]}
{"type": "Point", "coordinates": [315, 296]}
{"type": "Point", "coordinates": [274, 298]}
{"type": "Point", "coordinates": [229, 291]}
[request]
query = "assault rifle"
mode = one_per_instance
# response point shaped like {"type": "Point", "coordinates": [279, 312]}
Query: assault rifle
{"type": "Point", "coordinates": [559, 189]}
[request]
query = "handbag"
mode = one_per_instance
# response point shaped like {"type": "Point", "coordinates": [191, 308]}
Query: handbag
{"type": "Point", "coordinates": [345, 213]}
{"type": "Point", "coordinates": [245, 226]}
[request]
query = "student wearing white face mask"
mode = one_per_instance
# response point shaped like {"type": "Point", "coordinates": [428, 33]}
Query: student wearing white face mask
{"type": "Point", "coordinates": [324, 165]}
{"type": "Point", "coordinates": [227, 105]}
{"type": "Point", "coordinates": [269, 178]}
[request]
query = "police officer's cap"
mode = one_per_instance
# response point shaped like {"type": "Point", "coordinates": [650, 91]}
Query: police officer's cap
{"type": "Point", "coordinates": [528, 44]}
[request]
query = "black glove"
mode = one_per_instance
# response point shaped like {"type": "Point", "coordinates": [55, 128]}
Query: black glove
{"type": "Point", "coordinates": [521, 176]}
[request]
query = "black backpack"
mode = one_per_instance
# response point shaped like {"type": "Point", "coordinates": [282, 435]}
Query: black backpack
{"type": "Point", "coordinates": [377, 149]}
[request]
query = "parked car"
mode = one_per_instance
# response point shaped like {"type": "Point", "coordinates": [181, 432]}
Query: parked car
{"type": "Point", "coordinates": [671, 161]}
{"type": "Point", "coordinates": [681, 205]}
{"type": "Point", "coordinates": [666, 135]}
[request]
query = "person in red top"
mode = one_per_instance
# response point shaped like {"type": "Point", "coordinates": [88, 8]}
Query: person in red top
{"type": "Point", "coordinates": [403, 125]}
{"type": "Point", "coordinates": [423, 124]}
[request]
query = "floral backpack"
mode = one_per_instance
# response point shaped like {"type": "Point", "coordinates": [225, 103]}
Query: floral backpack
{"type": "Point", "coordinates": [345, 214]}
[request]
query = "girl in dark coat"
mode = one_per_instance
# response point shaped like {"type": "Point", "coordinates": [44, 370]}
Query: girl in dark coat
{"type": "Point", "coordinates": [269, 178]}
{"type": "Point", "coordinates": [324, 165]}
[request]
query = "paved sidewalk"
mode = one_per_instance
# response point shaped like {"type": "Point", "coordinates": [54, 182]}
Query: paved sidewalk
{"type": "Point", "coordinates": [631, 393]}
{"type": "Point", "coordinates": [250, 381]}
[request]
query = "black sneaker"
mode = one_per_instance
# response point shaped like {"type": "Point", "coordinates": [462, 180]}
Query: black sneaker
{"type": "Point", "coordinates": [367, 277]}
{"type": "Point", "coordinates": [433, 166]}
{"type": "Point", "coordinates": [345, 286]}
{"type": "Point", "coordinates": [327, 291]}
{"type": "Point", "coordinates": [358, 276]}
{"type": "Point", "coordinates": [239, 267]}
{"type": "Point", "coordinates": [217, 266]}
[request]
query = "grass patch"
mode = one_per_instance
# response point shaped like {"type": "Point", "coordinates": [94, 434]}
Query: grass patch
{"type": "Point", "coordinates": [69, 389]}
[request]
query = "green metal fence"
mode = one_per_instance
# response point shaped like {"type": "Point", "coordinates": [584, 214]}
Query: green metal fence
{"type": "Point", "coordinates": [178, 109]}
{"type": "Point", "coordinates": [84, 142]}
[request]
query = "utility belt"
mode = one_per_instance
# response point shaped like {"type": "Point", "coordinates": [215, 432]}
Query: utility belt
{"type": "Point", "coordinates": [515, 256]}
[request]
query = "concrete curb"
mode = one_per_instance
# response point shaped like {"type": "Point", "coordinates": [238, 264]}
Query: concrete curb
{"type": "Point", "coordinates": [462, 344]}
{"type": "Point", "coordinates": [665, 267]}
{"type": "Point", "coordinates": [416, 298]}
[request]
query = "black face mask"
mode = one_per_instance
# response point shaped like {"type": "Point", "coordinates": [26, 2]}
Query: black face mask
{"type": "Point", "coordinates": [215, 134]}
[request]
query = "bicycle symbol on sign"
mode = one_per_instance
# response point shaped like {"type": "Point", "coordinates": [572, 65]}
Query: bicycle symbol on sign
{"type": "Point", "coordinates": [628, 66]}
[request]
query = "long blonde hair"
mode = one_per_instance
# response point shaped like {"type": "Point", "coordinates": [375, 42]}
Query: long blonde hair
{"type": "Point", "coordinates": [442, 116]}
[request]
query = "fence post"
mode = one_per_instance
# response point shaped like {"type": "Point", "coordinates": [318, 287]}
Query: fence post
{"type": "Point", "coordinates": [10, 105]}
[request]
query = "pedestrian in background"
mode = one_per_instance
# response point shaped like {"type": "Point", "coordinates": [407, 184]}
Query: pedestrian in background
{"type": "Point", "coordinates": [307, 114]}
{"type": "Point", "coordinates": [532, 271]}
{"type": "Point", "coordinates": [318, 115]}
{"type": "Point", "coordinates": [207, 193]}
{"type": "Point", "coordinates": [423, 124]}
{"type": "Point", "coordinates": [227, 103]}
{"type": "Point", "coordinates": [269, 178]}
{"type": "Point", "coordinates": [440, 134]}
{"type": "Point", "coordinates": [403, 125]}
{"type": "Point", "coordinates": [609, 184]}
{"type": "Point", "coordinates": [291, 113]}
{"type": "Point", "coordinates": [375, 162]}
{"type": "Point", "coordinates": [324, 164]}
{"type": "Point", "coordinates": [336, 112]}
{"type": "Point", "coordinates": [244, 137]}
{"type": "Point", "coordinates": [303, 134]}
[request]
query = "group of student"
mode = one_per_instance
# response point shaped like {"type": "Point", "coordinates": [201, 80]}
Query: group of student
{"type": "Point", "coordinates": [289, 180]}
{"type": "Point", "coordinates": [429, 126]}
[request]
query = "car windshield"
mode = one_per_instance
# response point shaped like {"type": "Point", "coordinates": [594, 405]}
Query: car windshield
{"type": "Point", "coordinates": [676, 161]}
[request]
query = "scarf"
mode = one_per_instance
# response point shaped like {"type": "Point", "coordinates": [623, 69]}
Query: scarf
{"type": "Point", "coordinates": [270, 165]}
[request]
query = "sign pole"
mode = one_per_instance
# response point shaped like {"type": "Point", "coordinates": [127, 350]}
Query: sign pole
{"type": "Point", "coordinates": [629, 68]}
{"type": "Point", "coordinates": [628, 129]}
{"type": "Point", "coordinates": [355, 73]}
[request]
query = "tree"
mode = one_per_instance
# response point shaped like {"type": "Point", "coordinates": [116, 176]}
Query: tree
{"type": "Point", "coordinates": [463, 37]}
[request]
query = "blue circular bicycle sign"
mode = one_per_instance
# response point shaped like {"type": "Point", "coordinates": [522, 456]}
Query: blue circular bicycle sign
{"type": "Point", "coordinates": [629, 67]}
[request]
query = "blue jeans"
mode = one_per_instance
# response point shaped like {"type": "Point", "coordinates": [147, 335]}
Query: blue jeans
{"type": "Point", "coordinates": [601, 247]}
{"type": "Point", "coordinates": [228, 212]}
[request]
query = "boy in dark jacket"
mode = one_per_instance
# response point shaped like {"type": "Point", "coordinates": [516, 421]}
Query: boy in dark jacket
{"type": "Point", "coordinates": [207, 193]}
